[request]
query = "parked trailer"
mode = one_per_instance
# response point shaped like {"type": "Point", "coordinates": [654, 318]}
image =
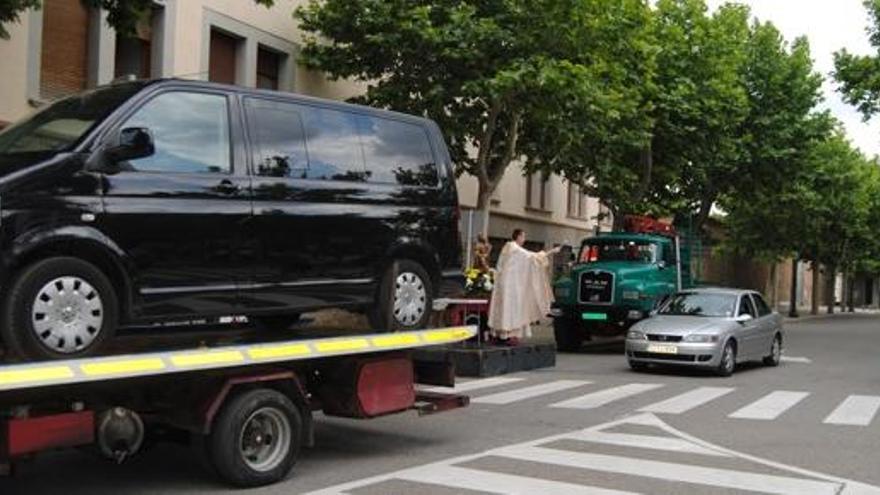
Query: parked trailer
{"type": "Point", "coordinates": [247, 407]}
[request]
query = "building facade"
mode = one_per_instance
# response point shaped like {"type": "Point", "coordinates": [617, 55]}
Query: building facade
{"type": "Point", "coordinates": [65, 48]}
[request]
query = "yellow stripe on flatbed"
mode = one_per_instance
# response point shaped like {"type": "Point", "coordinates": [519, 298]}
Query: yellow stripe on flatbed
{"type": "Point", "coordinates": [122, 366]}
{"type": "Point", "coordinates": [32, 375]}
{"type": "Point", "coordinates": [448, 335]}
{"type": "Point", "coordinates": [279, 351]}
{"type": "Point", "coordinates": [342, 345]}
{"type": "Point", "coordinates": [395, 340]}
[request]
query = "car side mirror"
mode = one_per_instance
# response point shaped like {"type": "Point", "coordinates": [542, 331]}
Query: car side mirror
{"type": "Point", "coordinates": [134, 142]}
{"type": "Point", "coordinates": [743, 318]}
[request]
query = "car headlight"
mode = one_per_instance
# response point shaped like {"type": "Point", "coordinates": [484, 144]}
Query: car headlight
{"type": "Point", "coordinates": [635, 335]}
{"type": "Point", "coordinates": [700, 338]}
{"type": "Point", "coordinates": [630, 294]}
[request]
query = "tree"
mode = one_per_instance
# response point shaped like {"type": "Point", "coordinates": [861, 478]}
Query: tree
{"type": "Point", "coordinates": [505, 79]}
{"type": "Point", "coordinates": [859, 75]}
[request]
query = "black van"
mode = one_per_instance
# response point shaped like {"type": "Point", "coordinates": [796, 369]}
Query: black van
{"type": "Point", "coordinates": [167, 200]}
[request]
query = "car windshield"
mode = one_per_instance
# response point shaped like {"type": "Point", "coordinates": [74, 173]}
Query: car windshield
{"type": "Point", "coordinates": [618, 250]}
{"type": "Point", "coordinates": [61, 125]}
{"type": "Point", "coordinates": [700, 304]}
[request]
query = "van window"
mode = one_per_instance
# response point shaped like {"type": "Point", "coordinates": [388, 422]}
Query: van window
{"type": "Point", "coordinates": [397, 152]}
{"type": "Point", "coordinates": [190, 130]}
{"type": "Point", "coordinates": [279, 139]}
{"type": "Point", "coordinates": [334, 150]}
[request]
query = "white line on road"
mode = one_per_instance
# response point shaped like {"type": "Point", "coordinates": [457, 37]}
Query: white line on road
{"type": "Point", "coordinates": [795, 359]}
{"type": "Point", "coordinates": [471, 385]}
{"type": "Point", "coordinates": [486, 481]}
{"type": "Point", "coordinates": [529, 392]}
{"type": "Point", "coordinates": [607, 396]}
{"type": "Point", "coordinates": [771, 406]}
{"type": "Point", "coordinates": [856, 410]}
{"type": "Point", "coordinates": [688, 400]}
{"type": "Point", "coordinates": [653, 442]}
{"type": "Point", "coordinates": [725, 478]}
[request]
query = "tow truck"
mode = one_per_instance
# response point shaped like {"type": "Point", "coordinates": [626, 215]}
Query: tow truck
{"type": "Point", "coordinates": [248, 407]}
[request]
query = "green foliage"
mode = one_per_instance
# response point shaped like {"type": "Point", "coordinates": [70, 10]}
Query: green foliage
{"type": "Point", "coordinates": [10, 11]}
{"type": "Point", "coordinates": [859, 75]}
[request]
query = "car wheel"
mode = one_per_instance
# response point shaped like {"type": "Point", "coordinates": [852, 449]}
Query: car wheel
{"type": "Point", "coordinates": [256, 438]}
{"type": "Point", "coordinates": [566, 334]}
{"type": "Point", "coordinates": [775, 355]}
{"type": "Point", "coordinates": [59, 308]}
{"type": "Point", "coordinates": [728, 360]}
{"type": "Point", "coordinates": [405, 298]}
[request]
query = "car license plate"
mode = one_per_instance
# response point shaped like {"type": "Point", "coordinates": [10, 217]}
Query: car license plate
{"type": "Point", "coordinates": [663, 349]}
{"type": "Point", "coordinates": [594, 316]}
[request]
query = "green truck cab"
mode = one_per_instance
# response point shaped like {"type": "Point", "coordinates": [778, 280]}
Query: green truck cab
{"type": "Point", "coordinates": [617, 279]}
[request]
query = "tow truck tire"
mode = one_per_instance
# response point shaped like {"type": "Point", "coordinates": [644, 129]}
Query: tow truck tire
{"type": "Point", "coordinates": [411, 284]}
{"type": "Point", "coordinates": [567, 337]}
{"type": "Point", "coordinates": [88, 305]}
{"type": "Point", "coordinates": [256, 438]}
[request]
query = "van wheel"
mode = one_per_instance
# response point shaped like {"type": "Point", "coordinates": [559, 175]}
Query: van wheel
{"type": "Point", "coordinates": [405, 298]}
{"type": "Point", "coordinates": [59, 308]}
{"type": "Point", "coordinates": [567, 337]}
{"type": "Point", "coordinates": [256, 438]}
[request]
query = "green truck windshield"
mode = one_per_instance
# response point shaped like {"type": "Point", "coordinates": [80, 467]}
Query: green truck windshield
{"type": "Point", "coordinates": [618, 250]}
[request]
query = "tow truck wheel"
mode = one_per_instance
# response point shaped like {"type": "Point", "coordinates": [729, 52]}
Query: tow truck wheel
{"type": "Point", "coordinates": [58, 308]}
{"type": "Point", "coordinates": [256, 438]}
{"type": "Point", "coordinates": [566, 333]}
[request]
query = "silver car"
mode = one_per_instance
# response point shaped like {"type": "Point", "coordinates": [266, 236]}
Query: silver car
{"type": "Point", "coordinates": [707, 328]}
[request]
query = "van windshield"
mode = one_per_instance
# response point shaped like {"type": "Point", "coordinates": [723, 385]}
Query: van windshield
{"type": "Point", "coordinates": [61, 125]}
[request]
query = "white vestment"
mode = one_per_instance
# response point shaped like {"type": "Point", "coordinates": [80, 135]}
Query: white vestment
{"type": "Point", "coordinates": [522, 293]}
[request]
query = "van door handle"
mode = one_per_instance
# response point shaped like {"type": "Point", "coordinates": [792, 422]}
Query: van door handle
{"type": "Point", "coordinates": [227, 187]}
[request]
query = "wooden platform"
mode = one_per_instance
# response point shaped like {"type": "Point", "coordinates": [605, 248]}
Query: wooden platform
{"type": "Point", "coordinates": [486, 360]}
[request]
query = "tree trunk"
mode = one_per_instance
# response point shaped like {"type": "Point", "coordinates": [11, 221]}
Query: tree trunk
{"type": "Point", "coordinates": [851, 291]}
{"type": "Point", "coordinates": [830, 273]}
{"type": "Point", "coordinates": [844, 295]}
{"type": "Point", "coordinates": [484, 204]}
{"type": "Point", "coordinates": [814, 297]}
{"type": "Point", "coordinates": [793, 299]}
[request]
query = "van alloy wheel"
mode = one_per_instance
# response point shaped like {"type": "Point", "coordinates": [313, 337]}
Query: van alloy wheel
{"type": "Point", "coordinates": [67, 314]}
{"type": "Point", "coordinates": [410, 298]}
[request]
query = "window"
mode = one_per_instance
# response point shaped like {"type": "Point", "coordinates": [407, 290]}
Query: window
{"type": "Point", "coordinates": [699, 304]}
{"type": "Point", "coordinates": [134, 52]}
{"type": "Point", "coordinates": [746, 307]}
{"type": "Point", "coordinates": [536, 191]}
{"type": "Point", "coordinates": [64, 57]}
{"type": "Point", "coordinates": [268, 64]}
{"type": "Point", "coordinates": [577, 201]}
{"type": "Point", "coordinates": [763, 308]}
{"type": "Point", "coordinates": [277, 131]}
{"type": "Point", "coordinates": [397, 152]}
{"type": "Point", "coordinates": [618, 250]}
{"type": "Point", "coordinates": [223, 59]}
{"type": "Point", "coordinates": [190, 130]}
{"type": "Point", "coordinates": [334, 148]}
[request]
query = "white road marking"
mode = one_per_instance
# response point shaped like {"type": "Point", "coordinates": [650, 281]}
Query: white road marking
{"type": "Point", "coordinates": [487, 481]}
{"type": "Point", "coordinates": [725, 478]}
{"type": "Point", "coordinates": [471, 385]}
{"type": "Point", "coordinates": [811, 481]}
{"type": "Point", "coordinates": [771, 406]}
{"type": "Point", "coordinates": [688, 400]}
{"type": "Point", "coordinates": [856, 410]}
{"type": "Point", "coordinates": [607, 396]}
{"type": "Point", "coordinates": [653, 442]}
{"type": "Point", "coordinates": [529, 392]}
{"type": "Point", "coordinates": [795, 359]}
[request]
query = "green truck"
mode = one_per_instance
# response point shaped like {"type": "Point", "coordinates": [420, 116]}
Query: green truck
{"type": "Point", "coordinates": [617, 279]}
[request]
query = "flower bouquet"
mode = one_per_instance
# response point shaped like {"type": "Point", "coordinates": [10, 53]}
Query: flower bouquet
{"type": "Point", "coordinates": [478, 283]}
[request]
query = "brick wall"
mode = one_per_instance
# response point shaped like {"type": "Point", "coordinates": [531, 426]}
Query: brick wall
{"type": "Point", "coordinates": [64, 59]}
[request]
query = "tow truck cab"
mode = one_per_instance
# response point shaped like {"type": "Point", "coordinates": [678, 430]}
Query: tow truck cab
{"type": "Point", "coordinates": [617, 279]}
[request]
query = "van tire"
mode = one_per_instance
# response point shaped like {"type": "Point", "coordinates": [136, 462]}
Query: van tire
{"type": "Point", "coordinates": [403, 278]}
{"type": "Point", "coordinates": [18, 329]}
{"type": "Point", "coordinates": [273, 413]}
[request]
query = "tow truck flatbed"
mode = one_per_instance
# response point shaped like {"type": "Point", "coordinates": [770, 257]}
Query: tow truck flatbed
{"type": "Point", "coordinates": [250, 404]}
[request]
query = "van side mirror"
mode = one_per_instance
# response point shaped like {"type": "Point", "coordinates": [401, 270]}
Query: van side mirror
{"type": "Point", "coordinates": [134, 142]}
{"type": "Point", "coordinates": [743, 318]}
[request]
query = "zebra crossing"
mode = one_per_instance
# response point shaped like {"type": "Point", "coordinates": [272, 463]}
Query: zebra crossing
{"type": "Point", "coordinates": [850, 410]}
{"type": "Point", "coordinates": [607, 459]}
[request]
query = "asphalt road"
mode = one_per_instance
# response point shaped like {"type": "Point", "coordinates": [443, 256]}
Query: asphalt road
{"type": "Point", "coordinates": [587, 426]}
